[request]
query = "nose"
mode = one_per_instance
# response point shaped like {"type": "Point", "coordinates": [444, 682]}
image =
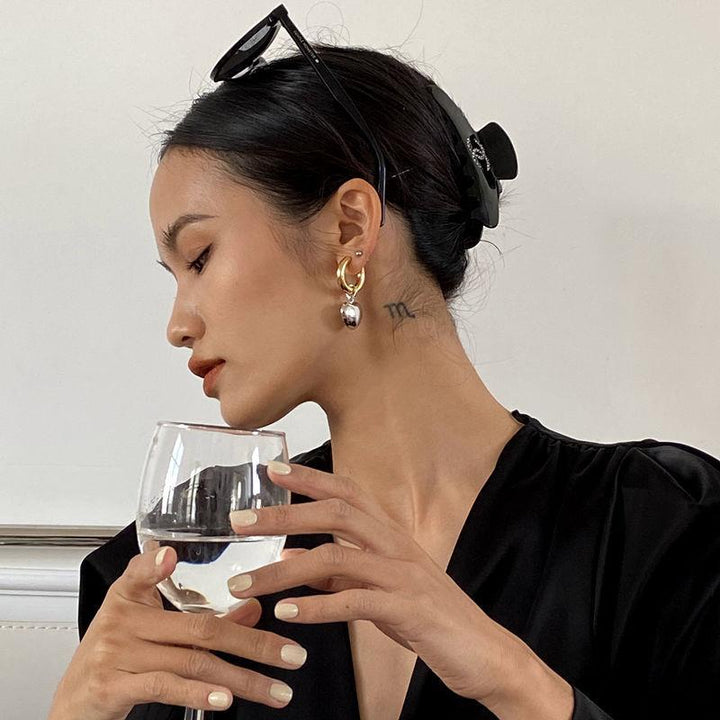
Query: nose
{"type": "Point", "coordinates": [185, 325]}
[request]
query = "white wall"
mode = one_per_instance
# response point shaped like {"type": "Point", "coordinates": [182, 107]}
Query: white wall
{"type": "Point", "coordinates": [602, 319]}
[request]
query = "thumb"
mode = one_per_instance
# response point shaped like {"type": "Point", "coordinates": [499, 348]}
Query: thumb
{"type": "Point", "coordinates": [247, 614]}
{"type": "Point", "coordinates": [290, 552]}
{"type": "Point", "coordinates": [164, 561]}
{"type": "Point", "coordinates": [143, 572]}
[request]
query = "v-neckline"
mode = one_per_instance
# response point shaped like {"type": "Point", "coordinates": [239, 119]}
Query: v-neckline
{"type": "Point", "coordinates": [458, 568]}
{"type": "Point", "coordinates": [470, 566]}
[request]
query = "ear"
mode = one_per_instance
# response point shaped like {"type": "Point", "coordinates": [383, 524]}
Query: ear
{"type": "Point", "coordinates": [355, 211]}
{"type": "Point", "coordinates": [350, 221]}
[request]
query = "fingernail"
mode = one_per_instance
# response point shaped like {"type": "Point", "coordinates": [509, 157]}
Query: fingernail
{"type": "Point", "coordinates": [279, 467]}
{"type": "Point", "coordinates": [281, 692]}
{"type": "Point", "coordinates": [161, 555]}
{"type": "Point", "coordinates": [286, 610]}
{"type": "Point", "coordinates": [243, 517]}
{"type": "Point", "coordinates": [239, 583]}
{"type": "Point", "coordinates": [293, 654]}
{"type": "Point", "coordinates": [219, 699]}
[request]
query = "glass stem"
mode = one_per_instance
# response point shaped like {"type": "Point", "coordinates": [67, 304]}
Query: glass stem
{"type": "Point", "coordinates": [193, 714]}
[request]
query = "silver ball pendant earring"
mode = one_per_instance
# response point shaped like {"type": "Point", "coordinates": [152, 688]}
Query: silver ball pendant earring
{"type": "Point", "coordinates": [349, 311]}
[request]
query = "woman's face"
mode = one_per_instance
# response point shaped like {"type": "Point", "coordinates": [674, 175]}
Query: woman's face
{"type": "Point", "coordinates": [241, 298]}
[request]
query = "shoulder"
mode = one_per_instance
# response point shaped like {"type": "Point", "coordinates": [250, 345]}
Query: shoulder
{"type": "Point", "coordinates": [654, 503]}
{"type": "Point", "coordinates": [666, 515]}
{"type": "Point", "coordinates": [650, 510]}
{"type": "Point", "coordinates": [651, 506]}
{"type": "Point", "coordinates": [687, 470]}
{"type": "Point", "coordinates": [665, 469]}
{"type": "Point", "coordinates": [665, 573]}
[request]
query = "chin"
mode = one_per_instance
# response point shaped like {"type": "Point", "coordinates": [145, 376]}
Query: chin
{"type": "Point", "coordinates": [233, 416]}
{"type": "Point", "coordinates": [244, 414]}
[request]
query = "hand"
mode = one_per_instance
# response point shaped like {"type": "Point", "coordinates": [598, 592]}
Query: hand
{"type": "Point", "coordinates": [386, 578]}
{"type": "Point", "coordinates": [135, 651]}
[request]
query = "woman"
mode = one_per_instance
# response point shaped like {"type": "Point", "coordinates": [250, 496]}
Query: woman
{"type": "Point", "coordinates": [474, 563]}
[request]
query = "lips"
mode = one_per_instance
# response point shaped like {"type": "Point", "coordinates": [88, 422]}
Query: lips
{"type": "Point", "coordinates": [211, 378]}
{"type": "Point", "coordinates": [208, 369]}
{"type": "Point", "coordinates": [201, 367]}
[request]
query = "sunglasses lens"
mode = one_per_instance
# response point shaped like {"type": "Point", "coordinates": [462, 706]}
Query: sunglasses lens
{"type": "Point", "coordinates": [238, 60]}
{"type": "Point", "coordinates": [251, 43]}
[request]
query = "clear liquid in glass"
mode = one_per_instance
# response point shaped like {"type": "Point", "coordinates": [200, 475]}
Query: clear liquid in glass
{"type": "Point", "coordinates": [205, 564]}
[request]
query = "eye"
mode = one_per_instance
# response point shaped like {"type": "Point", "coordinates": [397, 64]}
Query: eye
{"type": "Point", "coordinates": [198, 264]}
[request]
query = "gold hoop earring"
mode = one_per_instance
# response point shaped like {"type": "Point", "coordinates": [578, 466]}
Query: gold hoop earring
{"type": "Point", "coordinates": [349, 311]}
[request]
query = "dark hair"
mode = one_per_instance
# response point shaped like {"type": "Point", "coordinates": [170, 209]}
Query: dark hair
{"type": "Point", "coordinates": [279, 132]}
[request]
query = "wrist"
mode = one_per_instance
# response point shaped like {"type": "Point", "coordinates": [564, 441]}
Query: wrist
{"type": "Point", "coordinates": [532, 691]}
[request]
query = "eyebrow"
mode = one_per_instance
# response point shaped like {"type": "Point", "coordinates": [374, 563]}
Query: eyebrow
{"type": "Point", "coordinates": [170, 235]}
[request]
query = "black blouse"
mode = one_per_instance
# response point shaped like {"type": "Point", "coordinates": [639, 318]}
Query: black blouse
{"type": "Point", "coordinates": [603, 558]}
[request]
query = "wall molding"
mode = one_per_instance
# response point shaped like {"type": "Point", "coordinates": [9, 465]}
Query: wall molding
{"type": "Point", "coordinates": [63, 535]}
{"type": "Point", "coordinates": [39, 626]}
{"type": "Point", "coordinates": [40, 572]}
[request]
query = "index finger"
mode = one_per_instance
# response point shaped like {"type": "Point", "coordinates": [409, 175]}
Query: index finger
{"type": "Point", "coordinates": [321, 485]}
{"type": "Point", "coordinates": [205, 630]}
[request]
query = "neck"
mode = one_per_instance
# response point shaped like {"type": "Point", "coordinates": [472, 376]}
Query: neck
{"type": "Point", "coordinates": [414, 424]}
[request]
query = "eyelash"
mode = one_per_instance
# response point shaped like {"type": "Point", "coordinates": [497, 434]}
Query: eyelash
{"type": "Point", "coordinates": [193, 265]}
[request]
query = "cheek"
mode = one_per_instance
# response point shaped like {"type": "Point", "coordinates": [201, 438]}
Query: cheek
{"type": "Point", "coordinates": [265, 308]}
{"type": "Point", "coordinates": [271, 375]}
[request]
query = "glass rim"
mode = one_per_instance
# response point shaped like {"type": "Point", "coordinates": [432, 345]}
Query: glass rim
{"type": "Point", "coordinates": [218, 428]}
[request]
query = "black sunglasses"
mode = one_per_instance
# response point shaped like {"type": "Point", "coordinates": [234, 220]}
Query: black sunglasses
{"type": "Point", "coordinates": [245, 56]}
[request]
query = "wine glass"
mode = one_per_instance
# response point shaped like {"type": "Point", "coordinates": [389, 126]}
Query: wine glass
{"type": "Point", "coordinates": [193, 476]}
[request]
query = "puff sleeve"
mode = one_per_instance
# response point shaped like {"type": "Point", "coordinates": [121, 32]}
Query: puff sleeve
{"type": "Point", "coordinates": [663, 650]}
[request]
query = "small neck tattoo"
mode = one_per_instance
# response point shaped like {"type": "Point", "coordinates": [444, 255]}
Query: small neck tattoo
{"type": "Point", "coordinates": [398, 310]}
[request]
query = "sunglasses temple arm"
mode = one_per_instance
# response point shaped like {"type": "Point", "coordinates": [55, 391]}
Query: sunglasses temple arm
{"type": "Point", "coordinates": [342, 97]}
{"type": "Point", "coordinates": [337, 91]}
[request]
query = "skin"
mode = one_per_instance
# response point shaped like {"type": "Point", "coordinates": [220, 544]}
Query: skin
{"type": "Point", "coordinates": [277, 326]}
{"type": "Point", "coordinates": [374, 382]}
